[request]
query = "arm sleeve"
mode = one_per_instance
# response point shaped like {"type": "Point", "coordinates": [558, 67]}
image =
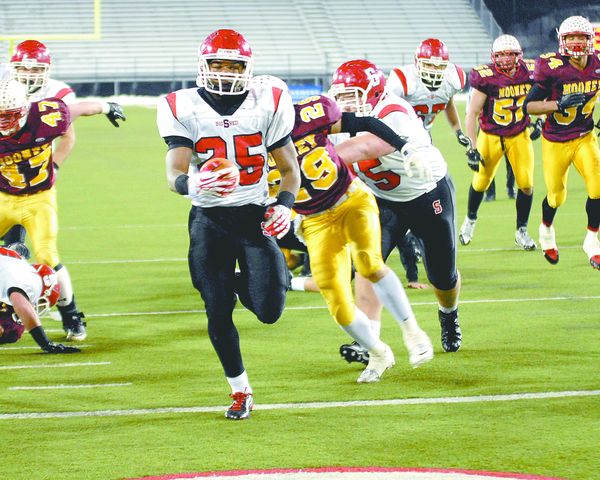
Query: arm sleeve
{"type": "Point", "coordinates": [536, 93]}
{"type": "Point", "coordinates": [174, 141]}
{"type": "Point", "coordinates": [352, 124]}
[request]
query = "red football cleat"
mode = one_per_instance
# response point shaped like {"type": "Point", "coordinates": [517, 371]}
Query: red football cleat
{"type": "Point", "coordinates": [551, 255]}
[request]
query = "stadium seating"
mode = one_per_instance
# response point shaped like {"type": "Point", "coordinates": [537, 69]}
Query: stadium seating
{"type": "Point", "coordinates": [146, 40]}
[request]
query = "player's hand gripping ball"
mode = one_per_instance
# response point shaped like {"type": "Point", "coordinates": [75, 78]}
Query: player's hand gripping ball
{"type": "Point", "coordinates": [218, 176]}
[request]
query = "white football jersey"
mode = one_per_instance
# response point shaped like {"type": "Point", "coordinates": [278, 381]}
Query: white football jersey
{"type": "Point", "coordinates": [264, 118]}
{"type": "Point", "coordinates": [18, 273]}
{"type": "Point", "coordinates": [387, 177]}
{"type": "Point", "coordinates": [54, 88]}
{"type": "Point", "coordinates": [4, 72]}
{"type": "Point", "coordinates": [405, 82]}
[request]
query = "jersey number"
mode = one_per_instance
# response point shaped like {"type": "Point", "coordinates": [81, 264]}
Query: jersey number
{"type": "Point", "coordinates": [508, 110]}
{"type": "Point", "coordinates": [316, 166]}
{"type": "Point", "coordinates": [570, 113]}
{"type": "Point", "coordinates": [251, 165]}
{"type": "Point", "coordinates": [385, 180]}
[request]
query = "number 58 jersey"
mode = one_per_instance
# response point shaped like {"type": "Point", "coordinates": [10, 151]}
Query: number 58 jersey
{"type": "Point", "coordinates": [26, 157]}
{"type": "Point", "coordinates": [264, 118]}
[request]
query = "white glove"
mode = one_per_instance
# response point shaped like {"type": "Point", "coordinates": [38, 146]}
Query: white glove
{"type": "Point", "coordinates": [220, 182]}
{"type": "Point", "coordinates": [416, 164]}
{"type": "Point", "coordinates": [277, 221]}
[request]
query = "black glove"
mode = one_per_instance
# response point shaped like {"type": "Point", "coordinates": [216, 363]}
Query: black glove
{"type": "Point", "coordinates": [473, 159]}
{"type": "Point", "coordinates": [463, 139]}
{"type": "Point", "coordinates": [115, 113]}
{"type": "Point", "coordinates": [537, 129]}
{"type": "Point", "coordinates": [59, 348]}
{"type": "Point", "coordinates": [21, 249]}
{"type": "Point", "coordinates": [598, 126]}
{"type": "Point", "coordinates": [570, 100]}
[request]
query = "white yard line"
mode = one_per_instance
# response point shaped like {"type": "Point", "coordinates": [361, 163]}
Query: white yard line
{"type": "Point", "coordinates": [304, 406]}
{"type": "Point", "coordinates": [61, 387]}
{"type": "Point", "coordinates": [35, 347]}
{"type": "Point", "coordinates": [55, 365]}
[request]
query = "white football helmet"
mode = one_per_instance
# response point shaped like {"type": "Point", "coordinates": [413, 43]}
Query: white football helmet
{"type": "Point", "coordinates": [225, 45]}
{"type": "Point", "coordinates": [576, 26]}
{"type": "Point", "coordinates": [14, 107]}
{"type": "Point", "coordinates": [502, 47]}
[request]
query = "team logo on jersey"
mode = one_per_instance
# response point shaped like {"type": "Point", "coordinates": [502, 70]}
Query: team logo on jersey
{"type": "Point", "coordinates": [226, 123]}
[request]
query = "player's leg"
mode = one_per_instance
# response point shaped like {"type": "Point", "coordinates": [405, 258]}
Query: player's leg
{"type": "Point", "coordinates": [490, 148]}
{"type": "Point", "coordinates": [519, 152]}
{"type": "Point", "coordinates": [510, 180]}
{"type": "Point", "coordinates": [211, 259]}
{"type": "Point", "coordinates": [556, 159]}
{"type": "Point", "coordinates": [11, 211]}
{"type": "Point", "coordinates": [41, 222]}
{"type": "Point", "coordinates": [587, 162]}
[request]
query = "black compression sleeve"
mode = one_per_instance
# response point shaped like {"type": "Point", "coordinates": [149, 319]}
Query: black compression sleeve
{"type": "Point", "coordinates": [353, 124]}
{"type": "Point", "coordinates": [175, 141]}
{"type": "Point", "coordinates": [536, 93]}
{"type": "Point", "coordinates": [39, 336]}
{"type": "Point", "coordinates": [181, 184]}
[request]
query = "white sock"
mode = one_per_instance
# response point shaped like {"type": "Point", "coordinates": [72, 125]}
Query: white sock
{"type": "Point", "coordinates": [391, 293]}
{"type": "Point", "coordinates": [66, 288]}
{"type": "Point", "coordinates": [360, 330]}
{"type": "Point", "coordinates": [447, 309]}
{"type": "Point", "coordinates": [297, 284]}
{"type": "Point", "coordinates": [240, 383]}
{"type": "Point", "coordinates": [376, 327]}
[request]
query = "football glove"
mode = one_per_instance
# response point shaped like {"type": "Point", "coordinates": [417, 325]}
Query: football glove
{"type": "Point", "coordinates": [463, 139]}
{"type": "Point", "coordinates": [473, 159]}
{"type": "Point", "coordinates": [598, 126]}
{"type": "Point", "coordinates": [59, 348]}
{"type": "Point", "coordinates": [220, 182]}
{"type": "Point", "coordinates": [537, 129]}
{"type": "Point", "coordinates": [570, 100]}
{"type": "Point", "coordinates": [416, 164]}
{"type": "Point", "coordinates": [277, 221]}
{"type": "Point", "coordinates": [115, 113]}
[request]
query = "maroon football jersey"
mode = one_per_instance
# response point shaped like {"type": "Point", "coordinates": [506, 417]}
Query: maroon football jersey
{"type": "Point", "coordinates": [502, 112]}
{"type": "Point", "coordinates": [325, 176]}
{"type": "Point", "coordinates": [26, 157]}
{"type": "Point", "coordinates": [555, 74]}
{"type": "Point", "coordinates": [10, 330]}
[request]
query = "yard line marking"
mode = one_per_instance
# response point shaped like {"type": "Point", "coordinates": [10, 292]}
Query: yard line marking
{"type": "Point", "coordinates": [56, 365]}
{"type": "Point", "coordinates": [323, 307]}
{"type": "Point", "coordinates": [308, 405]}
{"type": "Point", "coordinates": [35, 347]}
{"type": "Point", "coordinates": [56, 387]}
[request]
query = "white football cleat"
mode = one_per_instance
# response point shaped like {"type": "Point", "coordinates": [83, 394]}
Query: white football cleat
{"type": "Point", "coordinates": [523, 240]}
{"type": "Point", "coordinates": [548, 243]}
{"type": "Point", "coordinates": [378, 364]}
{"type": "Point", "coordinates": [466, 231]}
{"type": "Point", "coordinates": [591, 247]}
{"type": "Point", "coordinates": [420, 349]}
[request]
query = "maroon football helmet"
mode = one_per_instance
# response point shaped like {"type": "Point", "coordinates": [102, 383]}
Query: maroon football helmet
{"type": "Point", "coordinates": [358, 85]}
{"type": "Point", "coordinates": [50, 288]}
{"type": "Point", "coordinates": [30, 65]}
{"type": "Point", "coordinates": [431, 61]}
{"type": "Point", "coordinates": [230, 46]}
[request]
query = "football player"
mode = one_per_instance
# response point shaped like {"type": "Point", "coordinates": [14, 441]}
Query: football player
{"type": "Point", "coordinates": [421, 200]}
{"type": "Point", "coordinates": [26, 291]}
{"type": "Point", "coordinates": [567, 86]}
{"type": "Point", "coordinates": [498, 91]}
{"type": "Point", "coordinates": [30, 65]}
{"type": "Point", "coordinates": [27, 176]}
{"type": "Point", "coordinates": [229, 116]}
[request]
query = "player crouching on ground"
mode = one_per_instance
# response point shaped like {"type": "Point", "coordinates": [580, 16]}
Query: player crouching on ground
{"type": "Point", "coordinates": [26, 291]}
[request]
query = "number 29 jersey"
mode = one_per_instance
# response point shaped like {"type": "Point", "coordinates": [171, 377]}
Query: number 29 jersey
{"type": "Point", "coordinates": [502, 112]}
{"type": "Point", "coordinates": [26, 157]}
{"type": "Point", "coordinates": [265, 117]}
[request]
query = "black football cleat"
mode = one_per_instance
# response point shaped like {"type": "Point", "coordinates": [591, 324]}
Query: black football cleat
{"type": "Point", "coordinates": [451, 334]}
{"type": "Point", "coordinates": [354, 352]}
{"type": "Point", "coordinates": [241, 407]}
{"type": "Point", "coordinates": [75, 327]}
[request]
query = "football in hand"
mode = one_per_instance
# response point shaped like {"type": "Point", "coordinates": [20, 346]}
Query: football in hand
{"type": "Point", "coordinates": [226, 169]}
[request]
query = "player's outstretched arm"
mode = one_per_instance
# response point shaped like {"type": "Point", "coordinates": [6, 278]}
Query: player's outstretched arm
{"type": "Point", "coordinates": [112, 110]}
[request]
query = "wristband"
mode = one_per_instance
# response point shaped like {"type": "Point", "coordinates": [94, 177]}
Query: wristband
{"type": "Point", "coordinates": [39, 336]}
{"type": "Point", "coordinates": [105, 108]}
{"type": "Point", "coordinates": [181, 184]}
{"type": "Point", "coordinates": [287, 199]}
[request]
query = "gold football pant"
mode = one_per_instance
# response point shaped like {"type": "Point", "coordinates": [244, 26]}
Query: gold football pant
{"type": "Point", "coordinates": [38, 214]}
{"type": "Point", "coordinates": [518, 150]}
{"type": "Point", "coordinates": [584, 153]}
{"type": "Point", "coordinates": [348, 232]}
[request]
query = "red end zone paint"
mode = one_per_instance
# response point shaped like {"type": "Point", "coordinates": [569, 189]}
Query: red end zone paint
{"type": "Point", "coordinates": [350, 473]}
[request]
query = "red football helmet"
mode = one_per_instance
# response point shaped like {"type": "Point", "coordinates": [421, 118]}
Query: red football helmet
{"type": "Point", "coordinates": [230, 46]}
{"type": "Point", "coordinates": [576, 26]}
{"type": "Point", "coordinates": [50, 288]}
{"type": "Point", "coordinates": [358, 85]}
{"type": "Point", "coordinates": [506, 53]}
{"type": "Point", "coordinates": [431, 60]}
{"type": "Point", "coordinates": [30, 65]}
{"type": "Point", "coordinates": [14, 107]}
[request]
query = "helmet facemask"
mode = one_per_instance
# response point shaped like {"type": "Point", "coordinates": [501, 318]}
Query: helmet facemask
{"type": "Point", "coordinates": [14, 107]}
{"type": "Point", "coordinates": [224, 82]}
{"type": "Point", "coordinates": [50, 288]}
{"type": "Point", "coordinates": [32, 74]}
{"type": "Point", "coordinates": [351, 99]}
{"type": "Point", "coordinates": [576, 26]}
{"type": "Point", "coordinates": [431, 71]}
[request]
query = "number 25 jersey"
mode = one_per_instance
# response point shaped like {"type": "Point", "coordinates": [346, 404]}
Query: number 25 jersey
{"type": "Point", "coordinates": [26, 157]}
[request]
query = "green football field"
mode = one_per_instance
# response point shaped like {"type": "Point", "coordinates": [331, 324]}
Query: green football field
{"type": "Point", "coordinates": [147, 394]}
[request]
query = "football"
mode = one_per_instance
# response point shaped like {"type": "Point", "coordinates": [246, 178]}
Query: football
{"type": "Point", "coordinates": [217, 164]}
